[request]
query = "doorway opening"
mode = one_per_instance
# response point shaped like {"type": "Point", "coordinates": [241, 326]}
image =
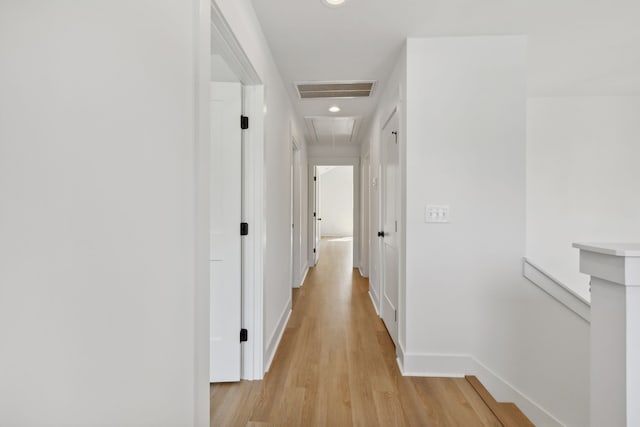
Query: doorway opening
{"type": "Point", "coordinates": [231, 182]}
{"type": "Point", "coordinates": [335, 210]}
{"type": "Point", "coordinates": [334, 205]}
{"type": "Point", "coordinates": [299, 265]}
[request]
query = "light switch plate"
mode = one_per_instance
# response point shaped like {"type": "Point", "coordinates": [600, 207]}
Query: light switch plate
{"type": "Point", "coordinates": [436, 214]}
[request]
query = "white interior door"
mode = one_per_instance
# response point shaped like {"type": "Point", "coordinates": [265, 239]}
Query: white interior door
{"type": "Point", "coordinates": [389, 233]}
{"type": "Point", "coordinates": [224, 226]}
{"type": "Point", "coordinates": [317, 219]}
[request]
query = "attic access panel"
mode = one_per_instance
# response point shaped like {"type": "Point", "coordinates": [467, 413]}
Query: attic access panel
{"type": "Point", "coordinates": [352, 89]}
{"type": "Point", "coordinates": [332, 130]}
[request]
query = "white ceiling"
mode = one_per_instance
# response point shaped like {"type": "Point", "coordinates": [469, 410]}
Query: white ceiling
{"type": "Point", "coordinates": [576, 47]}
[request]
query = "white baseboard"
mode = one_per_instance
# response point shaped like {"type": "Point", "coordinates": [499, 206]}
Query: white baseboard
{"type": "Point", "coordinates": [374, 302]}
{"type": "Point", "coordinates": [498, 386]}
{"type": "Point", "coordinates": [459, 365]}
{"type": "Point", "coordinates": [274, 341]}
{"type": "Point", "coordinates": [362, 273]}
{"type": "Point", "coordinates": [400, 358]}
{"type": "Point", "coordinates": [304, 277]}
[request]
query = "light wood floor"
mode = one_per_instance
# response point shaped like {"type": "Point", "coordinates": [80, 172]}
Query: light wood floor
{"type": "Point", "coordinates": [336, 367]}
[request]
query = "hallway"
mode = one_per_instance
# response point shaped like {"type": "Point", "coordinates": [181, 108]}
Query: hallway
{"type": "Point", "coordinates": [336, 366]}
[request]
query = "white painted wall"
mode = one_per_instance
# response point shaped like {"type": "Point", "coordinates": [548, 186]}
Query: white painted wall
{"type": "Point", "coordinates": [336, 201]}
{"type": "Point", "coordinates": [465, 147]}
{"type": "Point", "coordinates": [582, 179]}
{"type": "Point", "coordinates": [281, 124]}
{"type": "Point", "coordinates": [468, 309]}
{"type": "Point", "coordinates": [327, 151]}
{"type": "Point", "coordinates": [97, 186]}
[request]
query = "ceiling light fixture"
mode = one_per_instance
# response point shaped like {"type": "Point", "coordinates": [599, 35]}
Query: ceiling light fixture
{"type": "Point", "coordinates": [333, 3]}
{"type": "Point", "coordinates": [334, 109]}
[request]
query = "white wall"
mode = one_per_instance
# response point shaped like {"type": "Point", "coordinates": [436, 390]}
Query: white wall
{"type": "Point", "coordinates": [465, 147]}
{"type": "Point", "coordinates": [97, 186]}
{"type": "Point", "coordinates": [336, 201]}
{"type": "Point", "coordinates": [281, 124]}
{"type": "Point", "coordinates": [582, 179]}
{"type": "Point", "coordinates": [468, 309]}
{"type": "Point", "coordinates": [328, 151]}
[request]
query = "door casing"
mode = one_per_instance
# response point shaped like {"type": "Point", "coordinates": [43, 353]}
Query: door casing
{"type": "Point", "coordinates": [390, 211]}
{"type": "Point", "coordinates": [214, 24]}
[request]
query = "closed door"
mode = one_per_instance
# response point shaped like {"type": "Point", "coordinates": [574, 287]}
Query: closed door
{"type": "Point", "coordinates": [224, 225]}
{"type": "Point", "coordinates": [389, 219]}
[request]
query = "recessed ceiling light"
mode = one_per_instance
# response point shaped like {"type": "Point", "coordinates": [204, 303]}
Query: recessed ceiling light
{"type": "Point", "coordinates": [334, 109]}
{"type": "Point", "coordinates": [333, 3]}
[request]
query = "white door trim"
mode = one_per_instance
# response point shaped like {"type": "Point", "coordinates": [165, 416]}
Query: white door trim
{"type": "Point", "coordinates": [343, 161]}
{"type": "Point", "coordinates": [311, 222]}
{"type": "Point", "coordinates": [365, 237]}
{"type": "Point", "coordinates": [297, 262]}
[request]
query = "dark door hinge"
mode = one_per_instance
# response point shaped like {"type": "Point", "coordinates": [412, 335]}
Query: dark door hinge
{"type": "Point", "coordinates": [244, 335]}
{"type": "Point", "coordinates": [244, 122]}
{"type": "Point", "coordinates": [314, 178]}
{"type": "Point", "coordinates": [244, 228]}
{"type": "Point", "coordinates": [314, 250]}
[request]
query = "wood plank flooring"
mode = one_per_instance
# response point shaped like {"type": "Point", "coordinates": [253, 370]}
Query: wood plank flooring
{"type": "Point", "coordinates": [336, 366]}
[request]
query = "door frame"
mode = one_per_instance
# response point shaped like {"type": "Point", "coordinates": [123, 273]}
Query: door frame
{"type": "Point", "coordinates": [365, 217]}
{"type": "Point", "coordinates": [338, 161]}
{"type": "Point", "coordinates": [397, 108]}
{"type": "Point", "coordinates": [382, 221]}
{"type": "Point", "coordinates": [211, 21]}
{"type": "Point", "coordinates": [296, 258]}
{"type": "Point", "coordinates": [313, 212]}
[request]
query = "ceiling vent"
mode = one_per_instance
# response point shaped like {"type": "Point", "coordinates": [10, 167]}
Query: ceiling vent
{"type": "Point", "coordinates": [351, 89]}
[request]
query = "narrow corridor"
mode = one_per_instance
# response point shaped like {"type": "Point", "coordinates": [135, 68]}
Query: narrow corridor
{"type": "Point", "coordinates": [336, 366]}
